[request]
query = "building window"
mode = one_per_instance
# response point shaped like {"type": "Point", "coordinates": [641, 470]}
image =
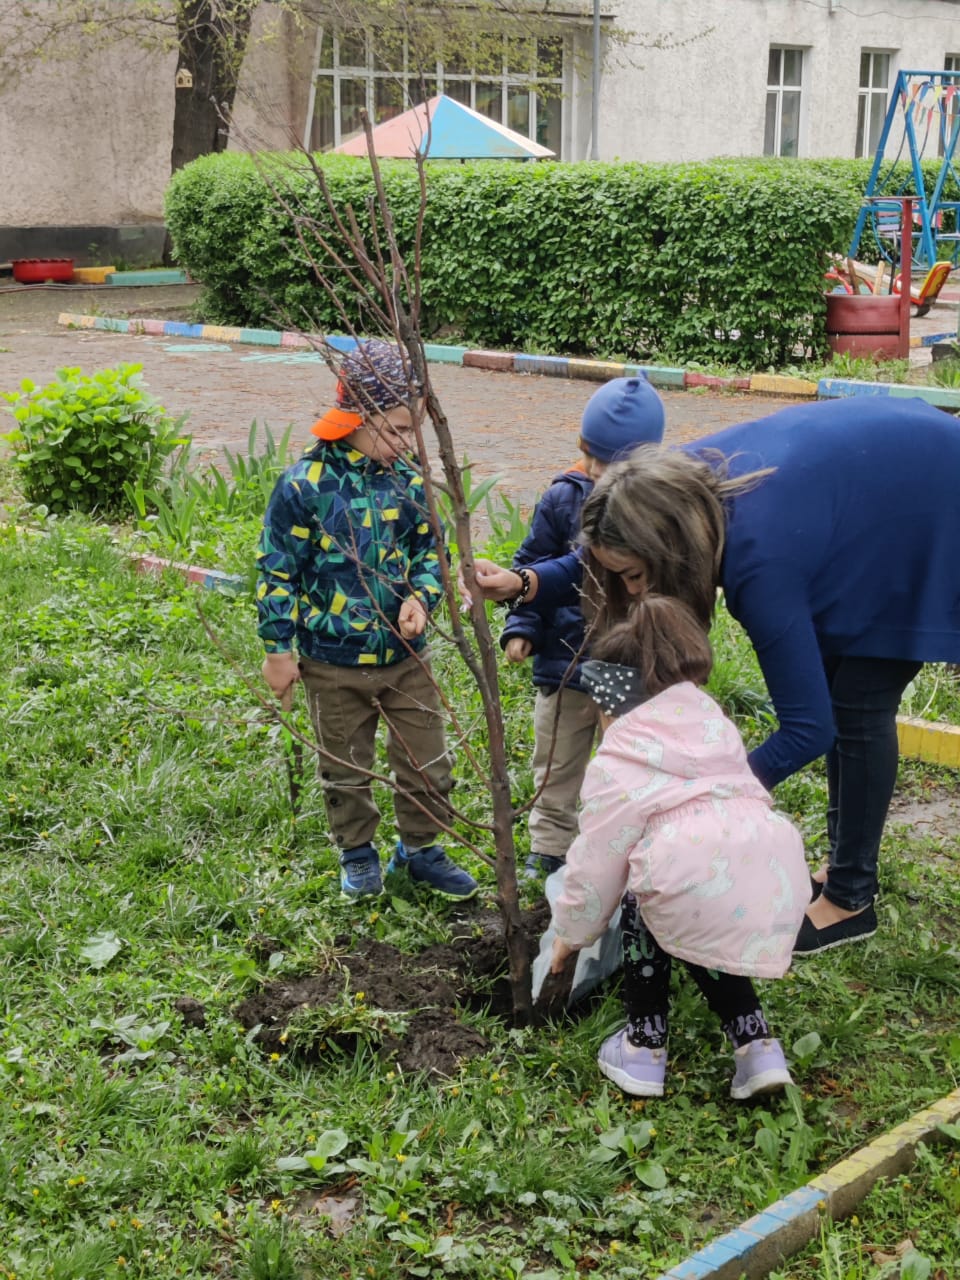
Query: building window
{"type": "Point", "coordinates": [375, 70]}
{"type": "Point", "coordinates": [781, 133]}
{"type": "Point", "coordinates": [872, 102]}
{"type": "Point", "coordinates": [950, 107]}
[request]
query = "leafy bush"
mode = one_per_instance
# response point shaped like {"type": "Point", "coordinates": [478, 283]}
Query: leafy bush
{"type": "Point", "coordinates": [722, 260]}
{"type": "Point", "coordinates": [715, 261]}
{"type": "Point", "coordinates": [80, 439]}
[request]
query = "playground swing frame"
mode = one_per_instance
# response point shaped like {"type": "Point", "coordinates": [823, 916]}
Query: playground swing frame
{"type": "Point", "coordinates": [883, 215]}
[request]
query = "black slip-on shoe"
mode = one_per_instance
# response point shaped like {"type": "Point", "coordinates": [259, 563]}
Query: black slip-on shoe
{"type": "Point", "coordinates": [811, 941]}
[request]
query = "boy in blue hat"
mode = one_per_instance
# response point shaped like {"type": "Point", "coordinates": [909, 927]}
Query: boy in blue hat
{"type": "Point", "coordinates": [348, 570]}
{"type": "Point", "coordinates": [620, 415]}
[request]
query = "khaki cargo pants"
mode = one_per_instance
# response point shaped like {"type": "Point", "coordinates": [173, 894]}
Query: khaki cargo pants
{"type": "Point", "coordinates": [346, 706]}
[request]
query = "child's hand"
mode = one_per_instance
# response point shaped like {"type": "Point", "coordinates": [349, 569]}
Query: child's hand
{"type": "Point", "coordinates": [562, 951]}
{"type": "Point", "coordinates": [517, 649]}
{"type": "Point", "coordinates": [281, 671]}
{"type": "Point", "coordinates": [412, 618]}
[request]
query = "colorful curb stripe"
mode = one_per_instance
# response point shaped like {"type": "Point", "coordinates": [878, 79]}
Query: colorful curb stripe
{"type": "Point", "coordinates": [933, 741]}
{"type": "Point", "coordinates": [211, 579]}
{"type": "Point", "coordinates": [550, 366]}
{"type": "Point", "coordinates": [761, 1243]}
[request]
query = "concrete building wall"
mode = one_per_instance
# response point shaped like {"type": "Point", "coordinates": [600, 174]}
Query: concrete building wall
{"type": "Point", "coordinates": [86, 143]}
{"type": "Point", "coordinates": [691, 83]}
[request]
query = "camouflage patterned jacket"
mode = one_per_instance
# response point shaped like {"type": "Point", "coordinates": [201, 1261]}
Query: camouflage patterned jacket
{"type": "Point", "coordinates": [344, 542]}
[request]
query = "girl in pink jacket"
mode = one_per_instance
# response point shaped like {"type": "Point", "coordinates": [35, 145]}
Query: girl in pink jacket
{"type": "Point", "coordinates": [675, 824]}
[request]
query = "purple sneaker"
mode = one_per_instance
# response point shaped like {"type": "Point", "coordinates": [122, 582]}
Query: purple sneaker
{"type": "Point", "coordinates": [637, 1070]}
{"type": "Point", "coordinates": [761, 1068]}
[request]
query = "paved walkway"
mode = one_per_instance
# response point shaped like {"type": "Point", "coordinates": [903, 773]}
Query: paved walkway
{"type": "Point", "coordinates": [522, 427]}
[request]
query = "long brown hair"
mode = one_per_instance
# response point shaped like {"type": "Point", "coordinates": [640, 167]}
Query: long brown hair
{"type": "Point", "coordinates": [667, 508]}
{"type": "Point", "coordinates": [663, 640]}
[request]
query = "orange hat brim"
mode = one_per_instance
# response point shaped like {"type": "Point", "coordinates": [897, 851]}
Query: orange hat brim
{"type": "Point", "coordinates": [336, 423]}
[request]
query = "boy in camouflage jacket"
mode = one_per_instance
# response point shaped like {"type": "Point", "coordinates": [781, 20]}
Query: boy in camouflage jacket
{"type": "Point", "coordinates": [348, 572]}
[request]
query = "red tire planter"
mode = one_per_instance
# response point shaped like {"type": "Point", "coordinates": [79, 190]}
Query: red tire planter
{"type": "Point", "coordinates": [864, 325]}
{"type": "Point", "coordinates": [42, 270]}
{"type": "Point", "coordinates": [863, 313]}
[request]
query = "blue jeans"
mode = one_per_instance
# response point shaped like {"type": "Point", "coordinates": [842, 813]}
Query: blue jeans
{"type": "Point", "coordinates": [861, 770]}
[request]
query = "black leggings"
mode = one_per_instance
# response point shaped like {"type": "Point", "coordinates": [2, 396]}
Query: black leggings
{"type": "Point", "coordinates": [646, 989]}
{"type": "Point", "coordinates": [861, 770]}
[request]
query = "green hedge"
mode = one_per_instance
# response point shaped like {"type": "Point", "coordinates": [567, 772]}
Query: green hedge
{"type": "Point", "coordinates": [720, 261]}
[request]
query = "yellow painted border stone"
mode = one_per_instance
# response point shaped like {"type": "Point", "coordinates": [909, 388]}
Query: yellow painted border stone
{"type": "Point", "coordinates": [76, 322]}
{"type": "Point", "coordinates": [595, 370]}
{"type": "Point", "coordinates": [845, 1185]}
{"type": "Point", "coordinates": [766, 1240]}
{"type": "Point", "coordinates": [776, 384]}
{"type": "Point", "coordinates": [928, 740]}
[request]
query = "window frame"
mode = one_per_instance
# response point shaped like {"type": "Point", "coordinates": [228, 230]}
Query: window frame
{"type": "Point", "coordinates": [505, 82]}
{"type": "Point", "coordinates": [780, 90]}
{"type": "Point", "coordinates": [951, 62]}
{"type": "Point", "coordinates": [867, 95]}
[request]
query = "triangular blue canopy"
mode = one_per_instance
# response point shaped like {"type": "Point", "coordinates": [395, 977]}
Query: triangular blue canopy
{"type": "Point", "coordinates": [444, 129]}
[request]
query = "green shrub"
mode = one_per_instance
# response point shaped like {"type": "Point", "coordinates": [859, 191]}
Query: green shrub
{"type": "Point", "coordinates": [81, 438]}
{"type": "Point", "coordinates": [706, 261]}
{"type": "Point", "coordinates": [715, 261]}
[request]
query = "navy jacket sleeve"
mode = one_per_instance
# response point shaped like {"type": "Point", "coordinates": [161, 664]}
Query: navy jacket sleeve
{"type": "Point", "coordinates": [558, 581]}
{"type": "Point", "coordinates": [556, 518]}
{"type": "Point", "coordinates": [777, 618]}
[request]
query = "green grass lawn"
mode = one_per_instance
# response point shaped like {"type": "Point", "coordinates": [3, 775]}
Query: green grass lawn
{"type": "Point", "coordinates": [149, 852]}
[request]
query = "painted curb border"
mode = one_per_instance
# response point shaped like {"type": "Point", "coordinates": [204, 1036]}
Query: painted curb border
{"type": "Point", "coordinates": [929, 740]}
{"type": "Point", "coordinates": [761, 1243]}
{"type": "Point", "coordinates": [547, 365]}
{"type": "Point", "coordinates": [210, 579]}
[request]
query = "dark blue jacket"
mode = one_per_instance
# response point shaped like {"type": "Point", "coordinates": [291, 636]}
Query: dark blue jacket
{"type": "Point", "coordinates": [851, 547]}
{"type": "Point", "coordinates": [558, 636]}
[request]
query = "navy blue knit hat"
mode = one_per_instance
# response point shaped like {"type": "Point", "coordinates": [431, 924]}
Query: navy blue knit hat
{"type": "Point", "coordinates": [618, 416]}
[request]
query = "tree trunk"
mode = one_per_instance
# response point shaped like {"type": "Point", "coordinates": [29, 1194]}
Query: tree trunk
{"type": "Point", "coordinates": [213, 38]}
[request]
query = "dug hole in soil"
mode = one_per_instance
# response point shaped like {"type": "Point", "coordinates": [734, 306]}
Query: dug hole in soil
{"type": "Point", "coordinates": [310, 1016]}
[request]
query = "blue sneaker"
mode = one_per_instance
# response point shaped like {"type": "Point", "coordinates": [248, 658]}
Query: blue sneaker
{"type": "Point", "coordinates": [360, 872]}
{"type": "Point", "coordinates": [432, 867]}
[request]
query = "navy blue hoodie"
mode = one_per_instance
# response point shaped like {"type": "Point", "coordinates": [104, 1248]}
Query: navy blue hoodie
{"type": "Point", "coordinates": [557, 637]}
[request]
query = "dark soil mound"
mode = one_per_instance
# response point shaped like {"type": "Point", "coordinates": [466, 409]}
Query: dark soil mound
{"type": "Point", "coordinates": [352, 998]}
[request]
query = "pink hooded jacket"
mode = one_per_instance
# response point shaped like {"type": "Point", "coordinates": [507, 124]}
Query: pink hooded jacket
{"type": "Point", "coordinates": [672, 812]}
